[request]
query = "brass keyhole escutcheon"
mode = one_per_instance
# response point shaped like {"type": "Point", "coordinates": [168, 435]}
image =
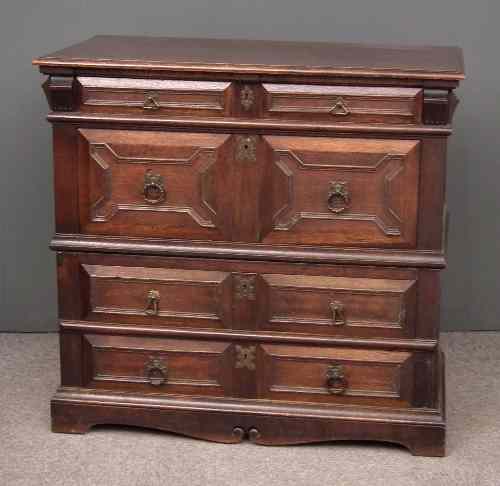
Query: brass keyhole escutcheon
{"type": "Point", "coordinates": [245, 357]}
{"type": "Point", "coordinates": [247, 97]}
{"type": "Point", "coordinates": [246, 148]}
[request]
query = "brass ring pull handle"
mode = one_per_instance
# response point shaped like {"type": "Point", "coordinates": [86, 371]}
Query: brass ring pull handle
{"type": "Point", "coordinates": [338, 313]}
{"type": "Point", "coordinates": [151, 102]}
{"type": "Point", "coordinates": [154, 191]}
{"type": "Point", "coordinates": [339, 197]}
{"type": "Point", "coordinates": [336, 381]}
{"type": "Point", "coordinates": [156, 371]}
{"type": "Point", "coordinates": [153, 304]}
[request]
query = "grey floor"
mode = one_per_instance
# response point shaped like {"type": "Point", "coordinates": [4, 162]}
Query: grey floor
{"type": "Point", "coordinates": [31, 455]}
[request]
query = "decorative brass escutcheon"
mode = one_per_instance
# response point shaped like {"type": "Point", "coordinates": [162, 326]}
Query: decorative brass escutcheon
{"type": "Point", "coordinates": [336, 381]}
{"type": "Point", "coordinates": [246, 148]}
{"type": "Point", "coordinates": [156, 371]}
{"type": "Point", "coordinates": [339, 197]}
{"type": "Point", "coordinates": [151, 101]}
{"type": "Point", "coordinates": [245, 357]}
{"type": "Point", "coordinates": [244, 287]}
{"type": "Point", "coordinates": [247, 97]}
{"type": "Point", "coordinates": [153, 304]}
{"type": "Point", "coordinates": [338, 313]}
{"type": "Point", "coordinates": [340, 108]}
{"type": "Point", "coordinates": [154, 191]}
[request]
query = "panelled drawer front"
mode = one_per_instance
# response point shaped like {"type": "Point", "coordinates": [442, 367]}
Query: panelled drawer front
{"type": "Point", "coordinates": [278, 298]}
{"type": "Point", "coordinates": [268, 189]}
{"type": "Point", "coordinates": [154, 184]}
{"type": "Point", "coordinates": [340, 191]}
{"type": "Point", "coordinates": [336, 375]}
{"type": "Point", "coordinates": [347, 306]}
{"type": "Point", "coordinates": [342, 104]}
{"type": "Point", "coordinates": [150, 365]}
{"type": "Point", "coordinates": [157, 98]}
{"type": "Point", "coordinates": [146, 98]}
{"type": "Point", "coordinates": [159, 296]}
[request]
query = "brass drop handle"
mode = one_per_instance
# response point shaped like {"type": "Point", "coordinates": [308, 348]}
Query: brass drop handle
{"type": "Point", "coordinates": [336, 381]}
{"type": "Point", "coordinates": [154, 190]}
{"type": "Point", "coordinates": [156, 371]}
{"type": "Point", "coordinates": [339, 197]}
{"type": "Point", "coordinates": [338, 313]}
{"type": "Point", "coordinates": [151, 101]}
{"type": "Point", "coordinates": [340, 108]}
{"type": "Point", "coordinates": [153, 303]}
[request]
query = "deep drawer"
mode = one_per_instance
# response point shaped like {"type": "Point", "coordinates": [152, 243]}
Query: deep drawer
{"type": "Point", "coordinates": [289, 373]}
{"type": "Point", "coordinates": [269, 189]}
{"type": "Point", "coordinates": [266, 298]}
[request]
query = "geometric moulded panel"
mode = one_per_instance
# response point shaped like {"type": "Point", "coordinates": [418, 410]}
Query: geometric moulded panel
{"type": "Point", "coordinates": [345, 191]}
{"type": "Point", "coordinates": [147, 183]}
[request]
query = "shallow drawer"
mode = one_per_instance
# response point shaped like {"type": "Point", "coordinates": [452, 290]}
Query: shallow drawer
{"type": "Point", "coordinates": [334, 104]}
{"type": "Point", "coordinates": [338, 306]}
{"type": "Point", "coordinates": [157, 98]}
{"type": "Point", "coordinates": [336, 375]}
{"type": "Point", "coordinates": [150, 365]}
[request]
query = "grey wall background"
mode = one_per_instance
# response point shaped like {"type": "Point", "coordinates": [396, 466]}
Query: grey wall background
{"type": "Point", "coordinates": [32, 28]}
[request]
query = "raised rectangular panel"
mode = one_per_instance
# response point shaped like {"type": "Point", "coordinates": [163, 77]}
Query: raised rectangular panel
{"type": "Point", "coordinates": [155, 184]}
{"type": "Point", "coordinates": [344, 192]}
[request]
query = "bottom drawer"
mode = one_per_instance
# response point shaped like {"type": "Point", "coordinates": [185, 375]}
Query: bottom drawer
{"type": "Point", "coordinates": [337, 375]}
{"type": "Point", "coordinates": [153, 365]}
{"type": "Point", "coordinates": [266, 371]}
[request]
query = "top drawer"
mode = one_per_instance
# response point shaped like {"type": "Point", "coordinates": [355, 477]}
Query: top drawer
{"type": "Point", "coordinates": [334, 104]}
{"type": "Point", "coordinates": [150, 97]}
{"type": "Point", "coordinates": [284, 102]}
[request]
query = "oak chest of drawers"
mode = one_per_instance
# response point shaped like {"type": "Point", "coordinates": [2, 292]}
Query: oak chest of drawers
{"type": "Point", "coordinates": [249, 237]}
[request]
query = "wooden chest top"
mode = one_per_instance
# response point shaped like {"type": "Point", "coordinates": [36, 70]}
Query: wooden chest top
{"type": "Point", "coordinates": [164, 54]}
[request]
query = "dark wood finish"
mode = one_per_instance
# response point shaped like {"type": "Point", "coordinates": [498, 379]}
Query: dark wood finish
{"type": "Point", "coordinates": [305, 254]}
{"type": "Point", "coordinates": [210, 56]}
{"type": "Point", "coordinates": [61, 93]}
{"type": "Point", "coordinates": [184, 367]}
{"type": "Point", "coordinates": [355, 307]}
{"type": "Point", "coordinates": [300, 374]}
{"type": "Point", "coordinates": [108, 327]}
{"type": "Point", "coordinates": [376, 302]}
{"type": "Point", "coordinates": [249, 238]}
{"type": "Point", "coordinates": [381, 177]}
{"type": "Point", "coordinates": [439, 107]}
{"type": "Point", "coordinates": [346, 104]}
{"type": "Point", "coordinates": [281, 197]}
{"type": "Point", "coordinates": [422, 431]}
{"type": "Point", "coordinates": [113, 170]}
{"type": "Point", "coordinates": [144, 97]}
